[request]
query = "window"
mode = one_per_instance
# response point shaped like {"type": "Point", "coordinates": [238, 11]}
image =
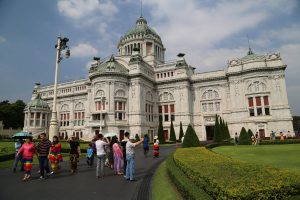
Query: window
{"type": "Point", "coordinates": [149, 112]}
{"type": "Point", "coordinates": [64, 119]}
{"type": "Point", "coordinates": [78, 118]}
{"type": "Point", "coordinates": [100, 105]}
{"type": "Point", "coordinates": [204, 107]}
{"type": "Point", "coordinates": [166, 112]}
{"type": "Point", "coordinates": [261, 106]}
{"type": "Point", "coordinates": [217, 106]}
{"type": "Point", "coordinates": [119, 110]}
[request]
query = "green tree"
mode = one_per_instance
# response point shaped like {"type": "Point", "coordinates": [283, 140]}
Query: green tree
{"type": "Point", "coordinates": [160, 134]}
{"type": "Point", "coordinates": [12, 114]}
{"type": "Point", "coordinates": [181, 134]}
{"type": "Point", "coordinates": [250, 133]}
{"type": "Point", "coordinates": [137, 137]}
{"type": "Point", "coordinates": [227, 132]}
{"type": "Point", "coordinates": [172, 133]}
{"type": "Point", "coordinates": [217, 131]}
{"type": "Point", "coordinates": [190, 139]}
{"type": "Point", "coordinates": [244, 138]}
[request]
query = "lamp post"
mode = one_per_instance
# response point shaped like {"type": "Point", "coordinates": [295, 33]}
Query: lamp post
{"type": "Point", "coordinates": [60, 46]}
{"type": "Point", "coordinates": [103, 103]}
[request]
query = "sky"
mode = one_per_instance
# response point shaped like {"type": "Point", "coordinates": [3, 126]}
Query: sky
{"type": "Point", "coordinates": [209, 32]}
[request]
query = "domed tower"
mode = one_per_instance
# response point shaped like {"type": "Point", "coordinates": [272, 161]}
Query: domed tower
{"type": "Point", "coordinates": [145, 39]}
{"type": "Point", "coordinates": [37, 116]}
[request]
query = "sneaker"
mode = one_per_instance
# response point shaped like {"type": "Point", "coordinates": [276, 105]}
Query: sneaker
{"type": "Point", "coordinates": [42, 178]}
{"type": "Point", "coordinates": [51, 173]}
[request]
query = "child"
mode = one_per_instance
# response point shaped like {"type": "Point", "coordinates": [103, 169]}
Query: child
{"type": "Point", "coordinates": [156, 148]}
{"type": "Point", "coordinates": [27, 150]}
{"type": "Point", "coordinates": [89, 155]}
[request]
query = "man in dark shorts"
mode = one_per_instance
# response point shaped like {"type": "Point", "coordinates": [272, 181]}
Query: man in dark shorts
{"type": "Point", "coordinates": [74, 153]}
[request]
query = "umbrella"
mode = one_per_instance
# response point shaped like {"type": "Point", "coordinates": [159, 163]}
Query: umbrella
{"type": "Point", "coordinates": [21, 135]}
{"type": "Point", "coordinates": [109, 134]}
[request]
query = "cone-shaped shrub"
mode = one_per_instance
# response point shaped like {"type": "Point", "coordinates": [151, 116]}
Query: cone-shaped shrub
{"type": "Point", "coordinates": [250, 133]}
{"type": "Point", "coordinates": [244, 138]}
{"type": "Point", "coordinates": [227, 132]}
{"type": "Point", "coordinates": [181, 134]}
{"type": "Point", "coordinates": [160, 134]}
{"type": "Point", "coordinates": [137, 137]}
{"type": "Point", "coordinates": [217, 131]}
{"type": "Point", "coordinates": [172, 133]}
{"type": "Point", "coordinates": [190, 139]}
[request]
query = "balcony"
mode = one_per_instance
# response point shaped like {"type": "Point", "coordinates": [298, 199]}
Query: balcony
{"type": "Point", "coordinates": [96, 123]}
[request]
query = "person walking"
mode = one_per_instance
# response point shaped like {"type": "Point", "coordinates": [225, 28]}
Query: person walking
{"type": "Point", "coordinates": [75, 153]}
{"type": "Point", "coordinates": [101, 155]}
{"type": "Point", "coordinates": [55, 155]}
{"type": "Point", "coordinates": [146, 145]}
{"type": "Point", "coordinates": [123, 145]}
{"type": "Point", "coordinates": [27, 151]}
{"type": "Point", "coordinates": [43, 149]}
{"type": "Point", "coordinates": [130, 158]}
{"type": "Point", "coordinates": [155, 147]}
{"type": "Point", "coordinates": [90, 155]}
{"type": "Point", "coordinates": [236, 139]}
{"type": "Point", "coordinates": [118, 156]}
{"type": "Point", "coordinates": [18, 157]}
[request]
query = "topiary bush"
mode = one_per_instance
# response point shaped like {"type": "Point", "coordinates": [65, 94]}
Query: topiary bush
{"type": "Point", "coordinates": [160, 134]}
{"type": "Point", "coordinates": [244, 138]}
{"type": "Point", "coordinates": [181, 134]}
{"type": "Point", "coordinates": [217, 131]}
{"type": "Point", "coordinates": [250, 133]}
{"type": "Point", "coordinates": [190, 139]}
{"type": "Point", "coordinates": [172, 133]}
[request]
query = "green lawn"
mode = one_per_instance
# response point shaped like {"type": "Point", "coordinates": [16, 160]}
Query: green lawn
{"type": "Point", "coordinates": [162, 187]}
{"type": "Point", "coordinates": [280, 156]}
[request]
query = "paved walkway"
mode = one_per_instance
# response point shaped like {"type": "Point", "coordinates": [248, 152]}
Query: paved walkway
{"type": "Point", "coordinates": [84, 184]}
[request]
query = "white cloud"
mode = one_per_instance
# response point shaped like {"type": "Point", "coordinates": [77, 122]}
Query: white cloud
{"type": "Point", "coordinates": [2, 39]}
{"type": "Point", "coordinates": [84, 50]}
{"type": "Point", "coordinates": [77, 9]}
{"type": "Point", "coordinates": [199, 29]}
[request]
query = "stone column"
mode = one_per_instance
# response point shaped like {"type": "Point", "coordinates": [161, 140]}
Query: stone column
{"type": "Point", "coordinates": [41, 119]}
{"type": "Point", "coordinates": [34, 120]}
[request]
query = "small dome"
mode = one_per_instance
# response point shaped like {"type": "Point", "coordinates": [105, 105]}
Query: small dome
{"type": "Point", "coordinates": [252, 56]}
{"type": "Point", "coordinates": [111, 66]}
{"type": "Point", "coordinates": [141, 28]}
{"type": "Point", "coordinates": [38, 102]}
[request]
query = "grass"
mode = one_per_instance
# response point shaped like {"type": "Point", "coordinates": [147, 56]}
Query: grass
{"type": "Point", "coordinates": [7, 147]}
{"type": "Point", "coordinates": [162, 187]}
{"type": "Point", "coordinates": [279, 156]}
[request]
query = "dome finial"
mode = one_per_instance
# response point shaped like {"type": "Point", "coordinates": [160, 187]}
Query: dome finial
{"type": "Point", "coordinates": [250, 52]}
{"type": "Point", "coordinates": [141, 8]}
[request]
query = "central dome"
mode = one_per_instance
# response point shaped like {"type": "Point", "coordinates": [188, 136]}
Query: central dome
{"type": "Point", "coordinates": [141, 29]}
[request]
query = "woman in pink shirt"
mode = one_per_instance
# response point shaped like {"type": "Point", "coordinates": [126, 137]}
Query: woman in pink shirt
{"type": "Point", "coordinates": [118, 156]}
{"type": "Point", "coordinates": [27, 150]}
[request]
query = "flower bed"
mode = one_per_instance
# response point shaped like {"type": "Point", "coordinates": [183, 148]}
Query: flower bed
{"type": "Point", "coordinates": [225, 178]}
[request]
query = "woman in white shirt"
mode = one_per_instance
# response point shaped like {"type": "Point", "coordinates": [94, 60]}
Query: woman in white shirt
{"type": "Point", "coordinates": [101, 155]}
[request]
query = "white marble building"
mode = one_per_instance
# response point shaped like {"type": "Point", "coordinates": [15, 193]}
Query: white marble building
{"type": "Point", "coordinates": [132, 90]}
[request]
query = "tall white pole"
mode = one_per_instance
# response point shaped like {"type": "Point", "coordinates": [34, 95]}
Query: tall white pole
{"type": "Point", "coordinates": [53, 129]}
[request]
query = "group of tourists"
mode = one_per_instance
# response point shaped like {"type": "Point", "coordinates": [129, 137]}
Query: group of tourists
{"type": "Point", "coordinates": [110, 152]}
{"type": "Point", "coordinates": [45, 151]}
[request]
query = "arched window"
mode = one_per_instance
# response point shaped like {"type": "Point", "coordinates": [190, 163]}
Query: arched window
{"type": "Point", "coordinates": [100, 93]}
{"type": "Point", "coordinates": [210, 101]}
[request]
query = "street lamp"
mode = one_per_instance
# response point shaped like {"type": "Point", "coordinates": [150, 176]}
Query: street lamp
{"type": "Point", "coordinates": [60, 46]}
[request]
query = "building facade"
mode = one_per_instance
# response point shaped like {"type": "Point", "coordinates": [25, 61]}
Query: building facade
{"type": "Point", "coordinates": [133, 90]}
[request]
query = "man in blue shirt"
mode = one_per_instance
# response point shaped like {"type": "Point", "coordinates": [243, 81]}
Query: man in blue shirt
{"type": "Point", "coordinates": [18, 158]}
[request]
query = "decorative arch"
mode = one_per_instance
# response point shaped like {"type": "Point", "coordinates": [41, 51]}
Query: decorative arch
{"type": "Point", "coordinates": [256, 86]}
{"type": "Point", "coordinates": [166, 96]}
{"type": "Point", "coordinates": [120, 93]}
{"type": "Point", "coordinates": [79, 106]}
{"type": "Point", "coordinates": [65, 107]}
{"type": "Point", "coordinates": [210, 94]}
{"type": "Point", "coordinates": [100, 93]}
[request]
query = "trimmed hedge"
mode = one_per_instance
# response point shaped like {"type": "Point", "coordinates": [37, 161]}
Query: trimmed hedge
{"type": "Point", "coordinates": [225, 178]}
{"type": "Point", "coordinates": [286, 141]}
{"type": "Point", "coordinates": [184, 185]}
{"type": "Point", "coordinates": [190, 139]}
